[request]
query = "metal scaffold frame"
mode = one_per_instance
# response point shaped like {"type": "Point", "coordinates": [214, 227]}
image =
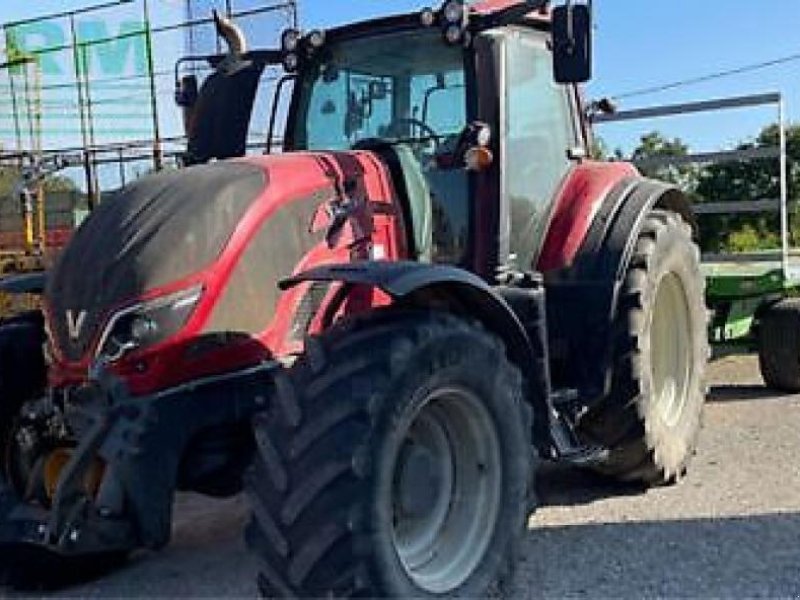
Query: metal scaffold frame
{"type": "Point", "coordinates": [153, 148]}
{"type": "Point", "coordinates": [775, 100]}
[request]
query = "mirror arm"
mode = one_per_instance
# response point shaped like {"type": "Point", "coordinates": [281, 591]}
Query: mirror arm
{"type": "Point", "coordinates": [510, 15]}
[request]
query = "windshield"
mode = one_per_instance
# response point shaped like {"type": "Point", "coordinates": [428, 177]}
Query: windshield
{"type": "Point", "coordinates": [399, 87]}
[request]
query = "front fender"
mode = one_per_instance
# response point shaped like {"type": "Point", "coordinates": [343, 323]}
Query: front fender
{"type": "Point", "coordinates": [435, 286]}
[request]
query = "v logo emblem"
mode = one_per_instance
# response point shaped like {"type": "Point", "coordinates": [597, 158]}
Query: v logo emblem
{"type": "Point", "coordinates": [75, 324]}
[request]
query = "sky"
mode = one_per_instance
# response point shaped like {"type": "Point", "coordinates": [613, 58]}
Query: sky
{"type": "Point", "coordinates": [644, 43]}
{"type": "Point", "coordinates": [639, 44]}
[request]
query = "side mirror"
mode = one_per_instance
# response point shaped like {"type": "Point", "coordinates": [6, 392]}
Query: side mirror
{"type": "Point", "coordinates": [572, 43]}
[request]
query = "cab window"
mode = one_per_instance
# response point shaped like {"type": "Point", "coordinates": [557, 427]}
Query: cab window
{"type": "Point", "coordinates": [539, 133]}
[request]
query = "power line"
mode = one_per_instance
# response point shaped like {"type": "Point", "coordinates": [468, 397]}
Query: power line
{"type": "Point", "coordinates": [710, 77]}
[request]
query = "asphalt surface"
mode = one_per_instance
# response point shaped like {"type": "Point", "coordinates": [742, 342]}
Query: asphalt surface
{"type": "Point", "coordinates": [731, 528]}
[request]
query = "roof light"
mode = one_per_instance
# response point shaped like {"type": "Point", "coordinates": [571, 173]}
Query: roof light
{"type": "Point", "coordinates": [453, 34]}
{"type": "Point", "coordinates": [316, 39]}
{"type": "Point", "coordinates": [290, 40]}
{"type": "Point", "coordinates": [291, 62]}
{"type": "Point", "coordinates": [454, 12]}
{"type": "Point", "coordinates": [427, 17]}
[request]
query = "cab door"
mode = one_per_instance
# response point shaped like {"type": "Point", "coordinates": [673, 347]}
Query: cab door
{"type": "Point", "coordinates": [540, 135]}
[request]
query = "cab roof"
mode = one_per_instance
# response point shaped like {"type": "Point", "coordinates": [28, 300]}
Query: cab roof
{"type": "Point", "coordinates": [540, 19]}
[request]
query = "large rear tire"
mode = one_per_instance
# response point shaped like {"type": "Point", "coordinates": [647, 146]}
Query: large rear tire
{"type": "Point", "coordinates": [395, 462]}
{"type": "Point", "coordinates": [779, 345]}
{"type": "Point", "coordinates": [651, 420]}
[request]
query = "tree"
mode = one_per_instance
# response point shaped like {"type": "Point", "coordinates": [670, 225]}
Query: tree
{"type": "Point", "coordinates": [655, 146]}
{"type": "Point", "coordinates": [9, 178]}
{"type": "Point", "coordinates": [750, 180]}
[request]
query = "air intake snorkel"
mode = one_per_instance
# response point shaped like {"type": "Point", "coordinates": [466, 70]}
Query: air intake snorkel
{"type": "Point", "coordinates": [187, 87]}
{"type": "Point", "coordinates": [236, 41]}
{"type": "Point", "coordinates": [217, 114]}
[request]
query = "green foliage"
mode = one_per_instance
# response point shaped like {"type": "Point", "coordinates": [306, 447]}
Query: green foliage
{"type": "Point", "coordinates": [654, 146]}
{"type": "Point", "coordinates": [732, 182]}
{"type": "Point", "coordinates": [749, 239]}
{"type": "Point", "coordinates": [599, 150]}
{"type": "Point", "coordinates": [9, 176]}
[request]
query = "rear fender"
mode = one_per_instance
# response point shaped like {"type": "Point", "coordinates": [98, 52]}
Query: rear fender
{"type": "Point", "coordinates": [578, 203]}
{"type": "Point", "coordinates": [583, 298]}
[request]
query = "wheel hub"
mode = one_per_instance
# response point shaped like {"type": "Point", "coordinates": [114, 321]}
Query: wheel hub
{"type": "Point", "coordinates": [419, 483]}
{"type": "Point", "coordinates": [671, 349]}
{"type": "Point", "coordinates": [447, 488]}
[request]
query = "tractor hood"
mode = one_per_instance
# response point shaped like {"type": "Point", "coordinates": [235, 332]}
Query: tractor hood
{"type": "Point", "coordinates": [157, 231]}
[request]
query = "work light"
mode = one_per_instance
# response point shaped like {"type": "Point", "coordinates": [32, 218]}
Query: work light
{"type": "Point", "coordinates": [453, 34]}
{"type": "Point", "coordinates": [427, 17]}
{"type": "Point", "coordinates": [291, 62]}
{"type": "Point", "coordinates": [454, 21]}
{"type": "Point", "coordinates": [316, 39]}
{"type": "Point", "coordinates": [290, 40]}
{"type": "Point", "coordinates": [454, 12]}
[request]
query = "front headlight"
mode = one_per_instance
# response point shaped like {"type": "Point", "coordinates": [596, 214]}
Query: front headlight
{"type": "Point", "coordinates": [147, 324]}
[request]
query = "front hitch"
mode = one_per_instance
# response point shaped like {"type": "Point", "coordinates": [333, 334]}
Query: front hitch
{"type": "Point", "coordinates": [141, 442]}
{"type": "Point", "coordinates": [76, 538]}
{"type": "Point", "coordinates": [78, 523]}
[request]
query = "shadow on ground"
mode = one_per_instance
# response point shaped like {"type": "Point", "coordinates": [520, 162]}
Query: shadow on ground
{"type": "Point", "coordinates": [741, 393]}
{"type": "Point", "coordinates": [562, 486]}
{"type": "Point", "coordinates": [206, 559]}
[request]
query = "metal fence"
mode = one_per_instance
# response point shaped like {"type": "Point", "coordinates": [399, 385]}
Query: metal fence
{"type": "Point", "coordinates": [781, 205]}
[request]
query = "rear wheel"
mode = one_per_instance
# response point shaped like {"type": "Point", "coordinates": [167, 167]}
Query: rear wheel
{"type": "Point", "coordinates": [779, 345]}
{"type": "Point", "coordinates": [652, 418]}
{"type": "Point", "coordinates": [396, 463]}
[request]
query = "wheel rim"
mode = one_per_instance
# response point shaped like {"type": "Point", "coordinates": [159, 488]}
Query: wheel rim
{"type": "Point", "coordinates": [671, 349]}
{"type": "Point", "coordinates": [446, 490]}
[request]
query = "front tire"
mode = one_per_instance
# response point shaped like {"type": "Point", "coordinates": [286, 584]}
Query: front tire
{"type": "Point", "coordinates": [395, 462]}
{"type": "Point", "coordinates": [651, 420]}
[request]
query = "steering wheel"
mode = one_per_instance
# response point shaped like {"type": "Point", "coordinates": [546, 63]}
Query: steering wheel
{"type": "Point", "coordinates": [430, 133]}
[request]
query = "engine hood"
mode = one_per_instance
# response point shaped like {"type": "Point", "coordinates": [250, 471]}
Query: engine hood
{"type": "Point", "coordinates": [159, 230]}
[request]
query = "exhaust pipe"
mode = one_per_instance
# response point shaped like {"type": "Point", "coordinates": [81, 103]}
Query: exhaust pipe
{"type": "Point", "coordinates": [187, 88]}
{"type": "Point", "coordinates": [232, 34]}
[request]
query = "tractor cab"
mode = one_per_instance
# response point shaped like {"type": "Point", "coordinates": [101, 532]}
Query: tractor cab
{"type": "Point", "coordinates": [462, 105]}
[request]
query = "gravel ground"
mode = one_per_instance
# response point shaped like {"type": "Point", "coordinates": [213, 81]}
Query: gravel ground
{"type": "Point", "coordinates": [730, 529]}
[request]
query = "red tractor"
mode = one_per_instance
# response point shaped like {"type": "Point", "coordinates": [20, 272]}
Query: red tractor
{"type": "Point", "coordinates": [378, 333]}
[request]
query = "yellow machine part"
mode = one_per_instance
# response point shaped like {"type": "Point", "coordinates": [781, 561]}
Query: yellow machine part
{"type": "Point", "coordinates": [54, 466]}
{"type": "Point", "coordinates": [17, 263]}
{"type": "Point", "coordinates": [12, 305]}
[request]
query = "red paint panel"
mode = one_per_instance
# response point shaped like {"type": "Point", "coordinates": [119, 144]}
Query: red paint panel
{"type": "Point", "coordinates": [292, 178]}
{"type": "Point", "coordinates": [578, 202]}
{"type": "Point", "coordinates": [487, 7]}
{"type": "Point", "coordinates": [15, 240]}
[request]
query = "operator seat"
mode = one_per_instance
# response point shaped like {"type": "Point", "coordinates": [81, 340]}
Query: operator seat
{"type": "Point", "coordinates": [412, 187]}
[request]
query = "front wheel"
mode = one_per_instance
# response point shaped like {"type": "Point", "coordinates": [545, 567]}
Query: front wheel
{"type": "Point", "coordinates": [395, 462]}
{"type": "Point", "coordinates": [652, 418]}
